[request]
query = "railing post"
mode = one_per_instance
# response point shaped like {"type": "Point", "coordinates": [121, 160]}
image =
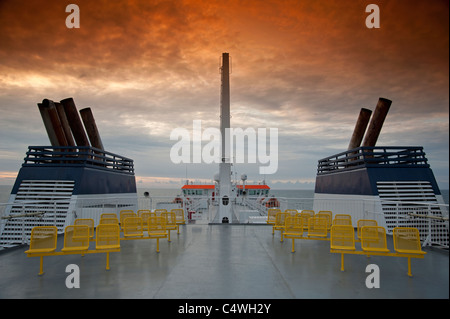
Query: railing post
{"type": "Point", "coordinates": [428, 241]}
{"type": "Point", "coordinates": [396, 214]}
{"type": "Point", "coordinates": [54, 213]}
{"type": "Point", "coordinates": [23, 225]}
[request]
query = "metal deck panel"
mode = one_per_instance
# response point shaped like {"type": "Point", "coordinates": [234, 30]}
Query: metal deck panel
{"type": "Point", "coordinates": [223, 261]}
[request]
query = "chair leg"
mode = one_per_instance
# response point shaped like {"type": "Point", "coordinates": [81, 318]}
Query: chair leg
{"type": "Point", "coordinates": [157, 245]}
{"type": "Point", "coordinates": [409, 267]}
{"type": "Point", "coordinates": [293, 245]}
{"type": "Point", "coordinates": [107, 261]}
{"type": "Point", "coordinates": [342, 262]}
{"type": "Point", "coordinates": [41, 265]}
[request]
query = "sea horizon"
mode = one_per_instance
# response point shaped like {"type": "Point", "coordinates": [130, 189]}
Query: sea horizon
{"type": "Point", "coordinates": [5, 191]}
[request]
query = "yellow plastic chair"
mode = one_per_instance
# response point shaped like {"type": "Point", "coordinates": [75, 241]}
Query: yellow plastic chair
{"type": "Point", "coordinates": [125, 214]}
{"type": "Point", "coordinates": [272, 216]}
{"type": "Point", "coordinates": [88, 222]}
{"type": "Point", "coordinates": [342, 219]}
{"type": "Point", "coordinates": [42, 241]}
{"type": "Point", "coordinates": [306, 215]}
{"type": "Point", "coordinates": [342, 238]}
{"type": "Point", "coordinates": [157, 229]}
{"type": "Point", "coordinates": [76, 238]}
{"type": "Point", "coordinates": [318, 227]}
{"type": "Point", "coordinates": [133, 227]}
{"type": "Point", "coordinates": [407, 241]}
{"type": "Point", "coordinates": [293, 229]}
{"type": "Point", "coordinates": [145, 216]}
{"type": "Point", "coordinates": [280, 222]}
{"type": "Point", "coordinates": [373, 238]}
{"type": "Point", "coordinates": [365, 222]}
{"type": "Point", "coordinates": [328, 215]}
{"type": "Point", "coordinates": [171, 222]}
{"type": "Point", "coordinates": [108, 238]}
{"type": "Point", "coordinates": [179, 215]}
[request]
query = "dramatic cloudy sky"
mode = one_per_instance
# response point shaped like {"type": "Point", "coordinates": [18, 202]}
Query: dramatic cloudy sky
{"type": "Point", "coordinates": [305, 67]}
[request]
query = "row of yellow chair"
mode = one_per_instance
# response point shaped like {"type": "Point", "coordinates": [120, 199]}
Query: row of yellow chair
{"type": "Point", "coordinates": [373, 242]}
{"type": "Point", "coordinates": [176, 215]}
{"type": "Point", "coordinates": [294, 225]}
{"type": "Point", "coordinates": [43, 241]}
{"type": "Point", "coordinates": [316, 225]}
{"type": "Point", "coordinates": [77, 237]}
{"type": "Point", "coordinates": [173, 218]}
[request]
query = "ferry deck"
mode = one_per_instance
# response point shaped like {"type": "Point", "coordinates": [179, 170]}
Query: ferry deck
{"type": "Point", "coordinates": [209, 261]}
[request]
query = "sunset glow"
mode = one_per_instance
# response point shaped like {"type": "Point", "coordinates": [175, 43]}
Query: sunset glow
{"type": "Point", "coordinates": [305, 67]}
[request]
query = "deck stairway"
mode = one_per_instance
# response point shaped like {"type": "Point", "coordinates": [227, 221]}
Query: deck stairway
{"type": "Point", "coordinates": [37, 203]}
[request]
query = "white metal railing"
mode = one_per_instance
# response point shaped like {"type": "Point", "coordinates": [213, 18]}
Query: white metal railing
{"type": "Point", "coordinates": [431, 219]}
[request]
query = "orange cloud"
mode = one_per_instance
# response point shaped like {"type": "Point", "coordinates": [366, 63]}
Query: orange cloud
{"type": "Point", "coordinates": [306, 67]}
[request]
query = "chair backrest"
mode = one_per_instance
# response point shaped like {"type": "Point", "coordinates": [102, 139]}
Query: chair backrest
{"type": "Point", "coordinates": [133, 227]}
{"type": "Point", "coordinates": [342, 221]}
{"type": "Point", "coordinates": [306, 215]}
{"type": "Point", "coordinates": [365, 222]}
{"type": "Point", "coordinates": [280, 218]}
{"type": "Point", "coordinates": [318, 226]}
{"type": "Point", "coordinates": [108, 215]}
{"type": "Point", "coordinates": [326, 214]}
{"type": "Point", "coordinates": [145, 216]}
{"type": "Point", "coordinates": [407, 240]}
{"type": "Point", "coordinates": [373, 238]}
{"type": "Point", "coordinates": [293, 224]}
{"type": "Point", "coordinates": [126, 211]}
{"type": "Point", "coordinates": [171, 218]}
{"type": "Point", "coordinates": [125, 214]}
{"type": "Point", "coordinates": [343, 216]}
{"type": "Point", "coordinates": [108, 236]}
{"type": "Point", "coordinates": [308, 212]}
{"type": "Point", "coordinates": [272, 214]}
{"type": "Point", "coordinates": [159, 211]}
{"type": "Point", "coordinates": [342, 237]}
{"type": "Point", "coordinates": [156, 224]}
{"type": "Point", "coordinates": [111, 220]}
{"type": "Point", "coordinates": [43, 238]}
{"type": "Point", "coordinates": [142, 211]}
{"type": "Point", "coordinates": [77, 237]}
{"type": "Point", "coordinates": [291, 212]}
{"type": "Point", "coordinates": [88, 222]}
{"type": "Point", "coordinates": [179, 214]}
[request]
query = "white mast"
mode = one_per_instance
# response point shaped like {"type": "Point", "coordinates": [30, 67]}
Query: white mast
{"type": "Point", "coordinates": [225, 210]}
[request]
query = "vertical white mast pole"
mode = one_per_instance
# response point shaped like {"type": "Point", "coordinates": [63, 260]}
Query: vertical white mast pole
{"type": "Point", "coordinates": [225, 210]}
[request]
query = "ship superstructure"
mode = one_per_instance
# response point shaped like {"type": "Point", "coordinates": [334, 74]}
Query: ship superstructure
{"type": "Point", "coordinates": [73, 178]}
{"type": "Point", "coordinates": [394, 185]}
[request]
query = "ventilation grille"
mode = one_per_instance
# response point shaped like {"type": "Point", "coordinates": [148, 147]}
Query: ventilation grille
{"type": "Point", "coordinates": [403, 205]}
{"type": "Point", "coordinates": [51, 199]}
{"type": "Point", "coordinates": [407, 191]}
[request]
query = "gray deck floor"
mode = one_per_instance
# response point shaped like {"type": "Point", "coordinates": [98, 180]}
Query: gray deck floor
{"type": "Point", "coordinates": [223, 261]}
